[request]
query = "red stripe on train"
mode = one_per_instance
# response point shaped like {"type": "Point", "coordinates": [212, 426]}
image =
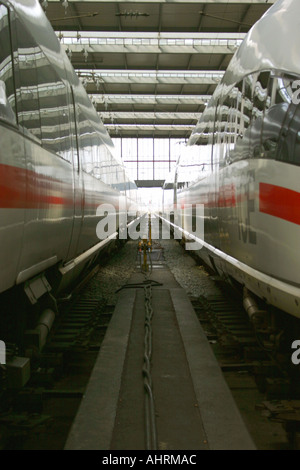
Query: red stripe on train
{"type": "Point", "coordinates": [24, 189]}
{"type": "Point", "coordinates": [279, 202]}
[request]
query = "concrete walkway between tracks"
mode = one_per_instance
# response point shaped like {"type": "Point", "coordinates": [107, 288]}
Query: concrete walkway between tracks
{"type": "Point", "coordinates": [194, 409]}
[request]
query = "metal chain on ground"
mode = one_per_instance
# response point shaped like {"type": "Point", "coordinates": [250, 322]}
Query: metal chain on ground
{"type": "Point", "coordinates": [151, 436]}
{"type": "Point", "coordinates": [150, 424]}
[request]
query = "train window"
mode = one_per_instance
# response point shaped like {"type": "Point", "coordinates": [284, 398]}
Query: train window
{"type": "Point", "coordinates": [231, 103]}
{"type": "Point", "coordinates": [248, 87]}
{"type": "Point", "coordinates": [27, 91]}
{"type": "Point", "coordinates": [54, 110]}
{"type": "Point", "coordinates": [98, 160]}
{"type": "Point", "coordinates": [105, 165]}
{"type": "Point", "coordinates": [66, 146]}
{"type": "Point", "coordinates": [284, 89]}
{"type": "Point", "coordinates": [85, 142]}
{"type": "Point", "coordinates": [42, 97]}
{"type": "Point", "coordinates": [261, 98]}
{"type": "Point", "coordinates": [240, 111]}
{"type": "Point", "coordinates": [242, 142]}
{"type": "Point", "coordinates": [256, 85]}
{"type": "Point", "coordinates": [95, 147]}
{"type": "Point", "coordinates": [238, 121]}
{"type": "Point", "coordinates": [234, 118]}
{"type": "Point", "coordinates": [247, 97]}
{"type": "Point", "coordinates": [203, 139]}
{"type": "Point", "coordinates": [289, 123]}
{"type": "Point", "coordinates": [273, 119]}
{"type": "Point", "coordinates": [221, 130]}
{"type": "Point", "coordinates": [202, 131]}
{"type": "Point", "coordinates": [7, 89]}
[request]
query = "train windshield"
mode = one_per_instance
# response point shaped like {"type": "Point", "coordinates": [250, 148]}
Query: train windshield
{"type": "Point", "coordinates": [259, 118]}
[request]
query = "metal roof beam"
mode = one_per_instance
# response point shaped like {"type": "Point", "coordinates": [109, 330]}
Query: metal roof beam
{"type": "Point", "coordinates": [149, 127]}
{"type": "Point", "coordinates": [184, 77]}
{"type": "Point", "coordinates": [150, 43]}
{"type": "Point", "coordinates": [149, 99]}
{"type": "Point", "coordinates": [148, 115]}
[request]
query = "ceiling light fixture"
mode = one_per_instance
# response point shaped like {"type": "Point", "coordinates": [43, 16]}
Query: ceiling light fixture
{"type": "Point", "coordinates": [225, 19]}
{"type": "Point", "coordinates": [132, 14]}
{"type": "Point", "coordinates": [69, 53]}
{"type": "Point", "coordinates": [65, 4]}
{"type": "Point", "coordinates": [85, 54]}
{"type": "Point", "coordinates": [88, 15]}
{"type": "Point", "coordinates": [44, 4]}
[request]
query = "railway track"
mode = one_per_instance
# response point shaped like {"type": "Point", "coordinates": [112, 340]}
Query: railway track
{"type": "Point", "coordinates": [247, 365]}
{"type": "Point", "coordinates": [39, 415]}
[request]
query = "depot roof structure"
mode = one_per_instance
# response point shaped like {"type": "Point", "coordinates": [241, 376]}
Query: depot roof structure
{"type": "Point", "coordinates": [151, 67]}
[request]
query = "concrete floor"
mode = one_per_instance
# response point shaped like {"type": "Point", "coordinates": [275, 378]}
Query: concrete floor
{"type": "Point", "coordinates": [194, 408]}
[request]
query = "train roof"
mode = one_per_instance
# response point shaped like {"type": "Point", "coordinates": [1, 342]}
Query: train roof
{"type": "Point", "coordinates": [270, 44]}
{"type": "Point", "coordinates": [34, 19]}
{"type": "Point", "coordinates": [33, 16]}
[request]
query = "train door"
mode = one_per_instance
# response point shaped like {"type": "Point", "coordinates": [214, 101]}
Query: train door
{"type": "Point", "coordinates": [78, 183]}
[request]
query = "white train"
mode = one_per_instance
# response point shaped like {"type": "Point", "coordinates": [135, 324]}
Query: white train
{"type": "Point", "coordinates": [57, 163]}
{"type": "Point", "coordinates": [243, 163]}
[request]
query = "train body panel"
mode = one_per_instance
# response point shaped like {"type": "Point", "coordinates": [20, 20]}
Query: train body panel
{"type": "Point", "coordinates": [241, 222]}
{"type": "Point", "coordinates": [242, 162]}
{"type": "Point", "coordinates": [57, 162]}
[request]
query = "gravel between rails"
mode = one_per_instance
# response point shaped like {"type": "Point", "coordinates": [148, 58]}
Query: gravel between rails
{"type": "Point", "coordinates": [191, 276]}
{"type": "Point", "coordinates": [116, 272]}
